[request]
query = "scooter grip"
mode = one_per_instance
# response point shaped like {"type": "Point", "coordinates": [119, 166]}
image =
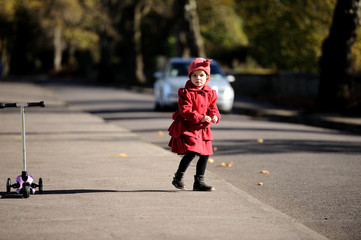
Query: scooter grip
{"type": "Point", "coordinates": [6, 105]}
{"type": "Point", "coordinates": [36, 104]}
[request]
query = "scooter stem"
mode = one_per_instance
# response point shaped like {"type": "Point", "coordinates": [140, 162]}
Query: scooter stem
{"type": "Point", "coordinates": [23, 136]}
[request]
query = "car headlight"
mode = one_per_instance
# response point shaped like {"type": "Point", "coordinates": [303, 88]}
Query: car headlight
{"type": "Point", "coordinates": [228, 93]}
{"type": "Point", "coordinates": [215, 88]}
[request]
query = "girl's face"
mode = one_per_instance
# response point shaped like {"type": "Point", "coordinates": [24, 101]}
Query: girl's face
{"type": "Point", "coordinates": [199, 78]}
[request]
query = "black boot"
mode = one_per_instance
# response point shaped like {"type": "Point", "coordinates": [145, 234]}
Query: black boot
{"type": "Point", "coordinates": [177, 180]}
{"type": "Point", "coordinates": [200, 185]}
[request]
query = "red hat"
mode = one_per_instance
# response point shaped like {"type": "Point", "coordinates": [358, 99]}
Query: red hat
{"type": "Point", "coordinates": [200, 64]}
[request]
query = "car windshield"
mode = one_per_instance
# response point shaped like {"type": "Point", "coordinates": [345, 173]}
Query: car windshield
{"type": "Point", "coordinates": [180, 69]}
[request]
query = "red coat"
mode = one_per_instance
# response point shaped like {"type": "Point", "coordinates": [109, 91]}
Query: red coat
{"type": "Point", "coordinates": [187, 131]}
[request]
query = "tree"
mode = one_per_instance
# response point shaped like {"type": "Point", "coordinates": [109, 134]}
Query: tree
{"type": "Point", "coordinates": [335, 62]}
{"type": "Point", "coordinates": [26, 39]}
{"type": "Point", "coordinates": [286, 35]}
{"type": "Point", "coordinates": [73, 25]}
{"type": "Point", "coordinates": [221, 25]}
{"type": "Point", "coordinates": [141, 8]}
{"type": "Point", "coordinates": [189, 39]}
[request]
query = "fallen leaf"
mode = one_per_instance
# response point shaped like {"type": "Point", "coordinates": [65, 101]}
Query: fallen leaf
{"type": "Point", "coordinates": [230, 164]}
{"type": "Point", "coordinates": [260, 183]}
{"type": "Point", "coordinates": [160, 133]}
{"type": "Point", "coordinates": [215, 149]}
{"type": "Point", "coordinates": [264, 172]}
{"type": "Point", "coordinates": [260, 140]}
{"type": "Point", "coordinates": [121, 155]}
{"type": "Point", "coordinates": [211, 160]}
{"type": "Point", "coordinates": [227, 164]}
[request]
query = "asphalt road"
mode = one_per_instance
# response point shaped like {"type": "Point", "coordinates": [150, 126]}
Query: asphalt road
{"type": "Point", "coordinates": [312, 174]}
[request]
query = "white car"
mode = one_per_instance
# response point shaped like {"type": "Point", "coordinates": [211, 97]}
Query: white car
{"type": "Point", "coordinates": [175, 76]}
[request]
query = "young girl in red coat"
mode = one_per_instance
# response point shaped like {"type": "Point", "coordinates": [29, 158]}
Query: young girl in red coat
{"type": "Point", "coordinates": [190, 131]}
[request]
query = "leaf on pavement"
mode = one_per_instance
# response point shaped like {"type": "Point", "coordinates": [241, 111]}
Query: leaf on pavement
{"type": "Point", "coordinates": [223, 164]}
{"type": "Point", "coordinates": [160, 133]}
{"type": "Point", "coordinates": [211, 160]}
{"type": "Point", "coordinates": [264, 172]}
{"type": "Point", "coordinates": [122, 155]}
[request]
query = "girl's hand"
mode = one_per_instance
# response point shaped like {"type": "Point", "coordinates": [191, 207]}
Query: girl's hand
{"type": "Point", "coordinates": [206, 119]}
{"type": "Point", "coordinates": [214, 119]}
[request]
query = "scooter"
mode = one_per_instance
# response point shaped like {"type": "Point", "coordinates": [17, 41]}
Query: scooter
{"type": "Point", "coordinates": [25, 182]}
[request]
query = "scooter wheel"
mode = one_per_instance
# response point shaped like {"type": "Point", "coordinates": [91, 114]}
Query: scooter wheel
{"type": "Point", "coordinates": [26, 190]}
{"type": "Point", "coordinates": [8, 185]}
{"type": "Point", "coordinates": [40, 185]}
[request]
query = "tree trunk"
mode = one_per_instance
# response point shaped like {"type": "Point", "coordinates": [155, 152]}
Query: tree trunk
{"type": "Point", "coordinates": [106, 74]}
{"type": "Point", "coordinates": [58, 48]}
{"type": "Point", "coordinates": [139, 65]}
{"type": "Point", "coordinates": [189, 39]}
{"type": "Point", "coordinates": [5, 59]}
{"type": "Point", "coordinates": [335, 62]}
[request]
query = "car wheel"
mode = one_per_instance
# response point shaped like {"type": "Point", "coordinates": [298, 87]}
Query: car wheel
{"type": "Point", "coordinates": [157, 107]}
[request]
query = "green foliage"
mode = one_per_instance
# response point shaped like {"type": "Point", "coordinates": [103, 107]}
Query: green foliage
{"type": "Point", "coordinates": [287, 34]}
{"type": "Point", "coordinates": [221, 26]}
{"type": "Point", "coordinates": [278, 34]}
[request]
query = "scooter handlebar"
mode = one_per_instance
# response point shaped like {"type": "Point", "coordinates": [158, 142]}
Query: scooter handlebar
{"type": "Point", "coordinates": [36, 104]}
{"type": "Point", "coordinates": [28, 104]}
{"type": "Point", "coordinates": [7, 105]}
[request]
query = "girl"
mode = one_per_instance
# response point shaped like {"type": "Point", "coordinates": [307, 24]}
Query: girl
{"type": "Point", "coordinates": [190, 131]}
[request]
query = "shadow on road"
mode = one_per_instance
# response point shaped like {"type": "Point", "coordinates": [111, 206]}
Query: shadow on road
{"type": "Point", "coordinates": [251, 146]}
{"type": "Point", "coordinates": [4, 195]}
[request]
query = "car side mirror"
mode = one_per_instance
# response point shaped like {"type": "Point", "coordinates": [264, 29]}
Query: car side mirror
{"type": "Point", "coordinates": [230, 78]}
{"type": "Point", "coordinates": [158, 75]}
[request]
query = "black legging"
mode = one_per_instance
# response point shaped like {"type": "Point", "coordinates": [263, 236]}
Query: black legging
{"type": "Point", "coordinates": [187, 159]}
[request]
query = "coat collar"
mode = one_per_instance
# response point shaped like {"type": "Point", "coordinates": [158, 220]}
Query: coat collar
{"type": "Point", "coordinates": [190, 86]}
